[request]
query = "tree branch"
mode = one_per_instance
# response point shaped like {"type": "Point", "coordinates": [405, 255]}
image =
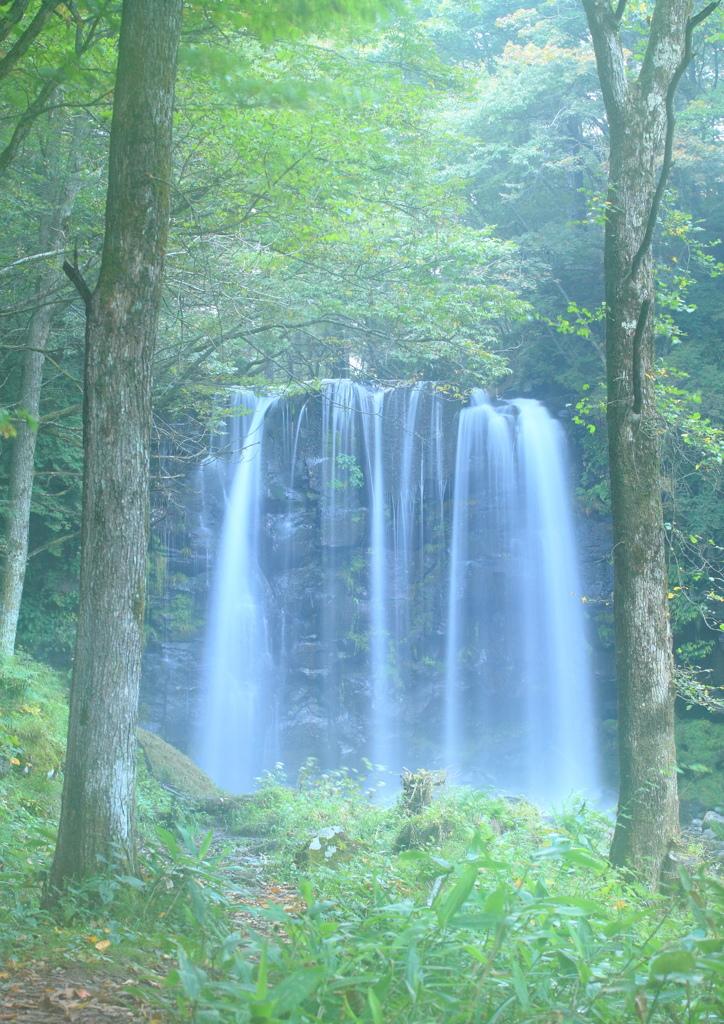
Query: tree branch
{"type": "Point", "coordinates": [22, 128]}
{"type": "Point", "coordinates": [12, 18]}
{"type": "Point", "coordinates": [28, 37]}
{"type": "Point", "coordinates": [669, 143]}
{"type": "Point", "coordinates": [30, 259]}
{"type": "Point", "coordinates": [52, 543]}
{"type": "Point", "coordinates": [76, 277]}
{"type": "Point", "coordinates": [53, 417]}
{"type": "Point", "coordinates": [603, 25]}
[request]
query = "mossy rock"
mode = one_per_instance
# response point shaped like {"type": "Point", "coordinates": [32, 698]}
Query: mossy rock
{"type": "Point", "coordinates": [707, 789]}
{"type": "Point", "coordinates": [700, 754]}
{"type": "Point", "coordinates": [717, 828]}
{"type": "Point", "coordinates": [330, 846]}
{"type": "Point", "coordinates": [171, 768]}
{"type": "Point", "coordinates": [701, 740]}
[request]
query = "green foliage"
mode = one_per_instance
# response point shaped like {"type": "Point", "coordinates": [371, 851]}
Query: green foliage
{"type": "Point", "coordinates": [502, 910]}
{"type": "Point", "coordinates": [33, 723]}
{"type": "Point", "coordinates": [513, 918]}
{"type": "Point", "coordinates": [700, 759]}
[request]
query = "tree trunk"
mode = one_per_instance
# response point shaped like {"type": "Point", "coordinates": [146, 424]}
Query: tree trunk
{"type": "Point", "coordinates": [97, 815]}
{"type": "Point", "coordinates": [647, 818]}
{"type": "Point", "coordinates": [22, 458]}
{"type": "Point", "coordinates": [640, 118]}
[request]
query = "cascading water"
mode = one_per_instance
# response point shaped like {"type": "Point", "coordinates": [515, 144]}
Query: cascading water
{"type": "Point", "coordinates": [384, 746]}
{"type": "Point", "coordinates": [236, 727]}
{"type": "Point", "coordinates": [402, 589]}
{"type": "Point", "coordinates": [518, 703]}
{"type": "Point", "coordinates": [560, 734]}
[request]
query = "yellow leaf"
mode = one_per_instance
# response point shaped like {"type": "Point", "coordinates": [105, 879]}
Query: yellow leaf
{"type": "Point", "coordinates": [14, 760]}
{"type": "Point", "coordinates": [93, 938]}
{"type": "Point", "coordinates": [103, 945]}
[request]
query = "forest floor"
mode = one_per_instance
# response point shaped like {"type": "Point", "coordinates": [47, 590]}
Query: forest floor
{"type": "Point", "coordinates": [322, 902]}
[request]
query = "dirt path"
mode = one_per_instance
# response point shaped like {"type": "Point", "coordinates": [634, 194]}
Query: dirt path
{"type": "Point", "coordinates": [36, 996]}
{"type": "Point", "coordinates": [33, 993]}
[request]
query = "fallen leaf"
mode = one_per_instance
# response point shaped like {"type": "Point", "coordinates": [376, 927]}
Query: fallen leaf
{"type": "Point", "coordinates": [103, 945]}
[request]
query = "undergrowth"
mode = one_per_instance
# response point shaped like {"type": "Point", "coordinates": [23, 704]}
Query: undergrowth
{"type": "Point", "coordinates": [479, 908]}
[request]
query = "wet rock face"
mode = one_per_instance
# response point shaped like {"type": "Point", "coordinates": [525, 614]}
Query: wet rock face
{"type": "Point", "coordinates": [316, 568]}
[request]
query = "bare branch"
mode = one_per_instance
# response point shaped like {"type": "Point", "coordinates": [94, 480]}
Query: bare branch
{"type": "Point", "coordinates": [31, 259]}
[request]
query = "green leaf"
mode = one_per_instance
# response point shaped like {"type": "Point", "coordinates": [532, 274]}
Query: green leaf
{"type": "Point", "coordinates": [521, 989]}
{"type": "Point", "coordinates": [678, 964]}
{"type": "Point", "coordinates": [261, 983]}
{"type": "Point", "coordinates": [188, 841]}
{"type": "Point", "coordinates": [495, 903]}
{"type": "Point", "coordinates": [710, 945]}
{"type": "Point", "coordinates": [457, 896]}
{"type": "Point", "coordinates": [295, 988]}
{"type": "Point", "coordinates": [478, 922]}
{"type": "Point", "coordinates": [584, 859]}
{"type": "Point", "coordinates": [137, 883]}
{"type": "Point", "coordinates": [192, 978]}
{"type": "Point", "coordinates": [375, 1007]}
{"type": "Point", "coordinates": [622, 924]}
{"type": "Point", "coordinates": [206, 844]}
{"type": "Point", "coordinates": [169, 841]}
{"type": "Point", "coordinates": [413, 978]}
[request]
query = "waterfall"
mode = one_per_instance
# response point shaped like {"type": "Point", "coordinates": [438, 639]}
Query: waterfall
{"type": "Point", "coordinates": [383, 745]}
{"type": "Point", "coordinates": [235, 734]}
{"type": "Point", "coordinates": [561, 743]}
{"type": "Point", "coordinates": [518, 704]}
{"type": "Point", "coordinates": [397, 579]}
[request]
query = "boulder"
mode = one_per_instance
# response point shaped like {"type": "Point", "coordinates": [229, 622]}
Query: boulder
{"type": "Point", "coordinates": [330, 846]}
{"type": "Point", "coordinates": [174, 770]}
{"type": "Point", "coordinates": [710, 818]}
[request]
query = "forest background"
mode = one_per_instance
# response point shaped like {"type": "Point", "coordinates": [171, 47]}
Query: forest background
{"type": "Point", "coordinates": [419, 200]}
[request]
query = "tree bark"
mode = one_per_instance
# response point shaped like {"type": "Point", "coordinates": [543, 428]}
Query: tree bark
{"type": "Point", "coordinates": [22, 460]}
{"type": "Point", "coordinates": [640, 118]}
{"type": "Point", "coordinates": [97, 814]}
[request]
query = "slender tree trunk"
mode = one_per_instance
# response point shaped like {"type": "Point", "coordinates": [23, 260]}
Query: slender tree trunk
{"type": "Point", "coordinates": [22, 459]}
{"type": "Point", "coordinates": [641, 123]}
{"type": "Point", "coordinates": [97, 815]}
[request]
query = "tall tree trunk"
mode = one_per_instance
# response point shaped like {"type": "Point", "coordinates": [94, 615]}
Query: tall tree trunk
{"type": "Point", "coordinates": [641, 123]}
{"type": "Point", "coordinates": [97, 814]}
{"type": "Point", "coordinates": [22, 459]}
